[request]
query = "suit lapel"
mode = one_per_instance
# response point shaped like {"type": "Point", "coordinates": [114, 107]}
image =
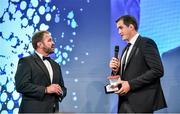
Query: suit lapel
{"type": "Point", "coordinates": [133, 50]}
{"type": "Point", "coordinates": [121, 59]}
{"type": "Point", "coordinates": [123, 52]}
{"type": "Point", "coordinates": [42, 66]}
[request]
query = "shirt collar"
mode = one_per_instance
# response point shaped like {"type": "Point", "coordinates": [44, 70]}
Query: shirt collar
{"type": "Point", "coordinates": [40, 55]}
{"type": "Point", "coordinates": [133, 40]}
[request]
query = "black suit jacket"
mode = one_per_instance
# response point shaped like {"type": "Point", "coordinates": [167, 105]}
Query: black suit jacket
{"type": "Point", "coordinates": [143, 72]}
{"type": "Point", "coordinates": [31, 79]}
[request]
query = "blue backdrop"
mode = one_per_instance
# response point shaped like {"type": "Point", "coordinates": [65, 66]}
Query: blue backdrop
{"type": "Point", "coordinates": [85, 34]}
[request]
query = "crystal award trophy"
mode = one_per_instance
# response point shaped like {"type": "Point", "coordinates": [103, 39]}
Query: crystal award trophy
{"type": "Point", "coordinates": [113, 84]}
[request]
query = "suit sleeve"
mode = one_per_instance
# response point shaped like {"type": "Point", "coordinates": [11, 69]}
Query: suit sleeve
{"type": "Point", "coordinates": [61, 83]}
{"type": "Point", "coordinates": [153, 61]}
{"type": "Point", "coordinates": [23, 81]}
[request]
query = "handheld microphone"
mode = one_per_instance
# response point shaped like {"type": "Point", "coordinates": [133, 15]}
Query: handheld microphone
{"type": "Point", "coordinates": [116, 51]}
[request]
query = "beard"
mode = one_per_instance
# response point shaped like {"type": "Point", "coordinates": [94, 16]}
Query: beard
{"type": "Point", "coordinates": [49, 50]}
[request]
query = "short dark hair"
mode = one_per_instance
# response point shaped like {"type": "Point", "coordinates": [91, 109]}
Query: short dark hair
{"type": "Point", "coordinates": [128, 19]}
{"type": "Point", "coordinates": [37, 37]}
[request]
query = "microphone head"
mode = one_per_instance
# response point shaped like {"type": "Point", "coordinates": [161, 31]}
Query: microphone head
{"type": "Point", "coordinates": [116, 51]}
{"type": "Point", "coordinates": [116, 48]}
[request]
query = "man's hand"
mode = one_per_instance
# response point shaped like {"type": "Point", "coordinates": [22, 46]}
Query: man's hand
{"type": "Point", "coordinates": [54, 88]}
{"type": "Point", "coordinates": [125, 88]}
{"type": "Point", "coordinates": [114, 64]}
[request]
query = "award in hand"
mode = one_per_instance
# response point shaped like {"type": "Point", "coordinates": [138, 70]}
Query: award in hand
{"type": "Point", "coordinates": [113, 84]}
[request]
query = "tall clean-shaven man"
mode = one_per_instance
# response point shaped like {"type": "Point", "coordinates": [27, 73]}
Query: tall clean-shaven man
{"type": "Point", "coordinates": [140, 68]}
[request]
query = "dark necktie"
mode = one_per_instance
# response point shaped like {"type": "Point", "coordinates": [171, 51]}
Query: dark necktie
{"type": "Point", "coordinates": [125, 56]}
{"type": "Point", "coordinates": [46, 58]}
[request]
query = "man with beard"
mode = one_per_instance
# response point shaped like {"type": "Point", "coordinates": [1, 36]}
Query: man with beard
{"type": "Point", "coordinates": [38, 78]}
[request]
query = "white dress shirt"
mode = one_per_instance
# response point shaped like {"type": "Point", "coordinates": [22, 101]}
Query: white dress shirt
{"type": "Point", "coordinates": [132, 41]}
{"type": "Point", "coordinates": [48, 66]}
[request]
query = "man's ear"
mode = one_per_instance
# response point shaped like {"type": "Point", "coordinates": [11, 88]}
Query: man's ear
{"type": "Point", "coordinates": [39, 44]}
{"type": "Point", "coordinates": [131, 26]}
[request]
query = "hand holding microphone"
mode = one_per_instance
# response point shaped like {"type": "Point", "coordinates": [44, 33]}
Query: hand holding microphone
{"type": "Point", "coordinates": [115, 62]}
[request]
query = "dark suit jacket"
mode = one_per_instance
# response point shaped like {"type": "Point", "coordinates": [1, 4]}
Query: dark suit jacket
{"type": "Point", "coordinates": [31, 79]}
{"type": "Point", "coordinates": [143, 72]}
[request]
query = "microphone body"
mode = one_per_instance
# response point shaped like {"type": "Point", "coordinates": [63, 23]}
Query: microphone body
{"type": "Point", "coordinates": [116, 51]}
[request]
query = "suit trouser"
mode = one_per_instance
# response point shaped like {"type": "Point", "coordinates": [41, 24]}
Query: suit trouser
{"type": "Point", "coordinates": [125, 108]}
